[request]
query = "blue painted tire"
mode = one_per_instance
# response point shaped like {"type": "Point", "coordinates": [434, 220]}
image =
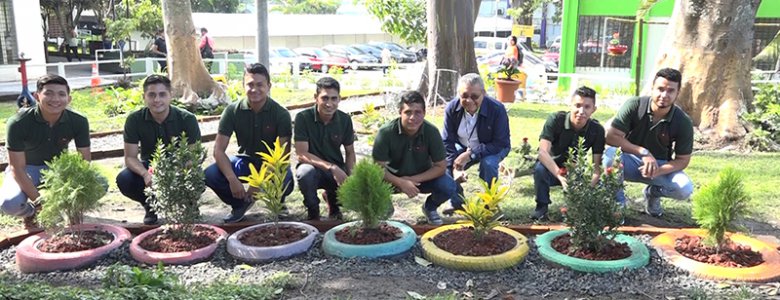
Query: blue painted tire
{"type": "Point", "coordinates": [640, 256]}
{"type": "Point", "coordinates": [331, 246]}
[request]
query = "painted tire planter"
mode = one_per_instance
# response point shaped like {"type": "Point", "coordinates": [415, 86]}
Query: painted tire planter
{"type": "Point", "coordinates": [173, 258]}
{"type": "Point", "coordinates": [333, 247]}
{"type": "Point", "coordinates": [31, 260]}
{"type": "Point", "coordinates": [258, 254]}
{"type": "Point", "coordinates": [640, 256]}
{"type": "Point", "coordinates": [767, 271]}
{"type": "Point", "coordinates": [448, 260]}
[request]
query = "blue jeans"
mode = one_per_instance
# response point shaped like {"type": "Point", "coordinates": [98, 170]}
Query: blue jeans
{"type": "Point", "coordinates": [488, 169]}
{"type": "Point", "coordinates": [13, 201]}
{"type": "Point", "coordinates": [220, 185]}
{"type": "Point", "coordinates": [132, 185]}
{"type": "Point", "coordinates": [543, 180]}
{"type": "Point", "coordinates": [441, 189]}
{"type": "Point", "coordinates": [676, 185]}
{"type": "Point", "coordinates": [310, 178]}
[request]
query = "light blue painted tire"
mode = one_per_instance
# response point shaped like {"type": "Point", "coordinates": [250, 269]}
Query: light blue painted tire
{"type": "Point", "coordinates": [254, 254]}
{"type": "Point", "coordinates": [331, 246]}
{"type": "Point", "coordinates": [640, 256]}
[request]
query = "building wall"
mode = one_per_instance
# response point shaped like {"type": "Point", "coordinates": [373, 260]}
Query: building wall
{"type": "Point", "coordinates": [29, 40]}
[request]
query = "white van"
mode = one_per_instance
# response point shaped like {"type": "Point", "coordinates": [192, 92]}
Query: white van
{"type": "Point", "coordinates": [487, 45]}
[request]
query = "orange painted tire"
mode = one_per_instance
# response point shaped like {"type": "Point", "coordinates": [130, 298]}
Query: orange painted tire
{"type": "Point", "coordinates": [767, 271]}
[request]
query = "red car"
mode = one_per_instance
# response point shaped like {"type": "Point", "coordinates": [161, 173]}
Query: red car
{"type": "Point", "coordinates": [321, 60]}
{"type": "Point", "coordinates": [553, 54]}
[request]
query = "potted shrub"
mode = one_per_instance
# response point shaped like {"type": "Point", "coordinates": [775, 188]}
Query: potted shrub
{"type": "Point", "coordinates": [519, 162]}
{"type": "Point", "coordinates": [711, 251]}
{"type": "Point", "coordinates": [508, 79]}
{"type": "Point", "coordinates": [72, 187]}
{"type": "Point", "coordinates": [615, 48]}
{"type": "Point", "coordinates": [477, 243]}
{"type": "Point", "coordinates": [177, 183]}
{"type": "Point", "coordinates": [366, 193]}
{"type": "Point", "coordinates": [273, 240]}
{"type": "Point", "coordinates": [592, 243]}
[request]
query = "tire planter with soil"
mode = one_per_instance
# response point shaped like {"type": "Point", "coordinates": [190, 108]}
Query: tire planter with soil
{"type": "Point", "coordinates": [332, 246]}
{"type": "Point", "coordinates": [640, 256]}
{"type": "Point", "coordinates": [769, 270]}
{"type": "Point", "coordinates": [30, 259]}
{"type": "Point", "coordinates": [174, 258]}
{"type": "Point", "coordinates": [254, 254]}
{"type": "Point", "coordinates": [440, 257]}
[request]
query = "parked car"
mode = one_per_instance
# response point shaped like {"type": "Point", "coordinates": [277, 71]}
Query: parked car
{"type": "Point", "coordinates": [532, 64]}
{"type": "Point", "coordinates": [279, 64]}
{"type": "Point", "coordinates": [373, 51]}
{"type": "Point", "coordinates": [286, 53]}
{"type": "Point", "coordinates": [354, 55]}
{"type": "Point", "coordinates": [488, 45]}
{"type": "Point", "coordinates": [399, 53]}
{"type": "Point", "coordinates": [553, 54]}
{"type": "Point", "coordinates": [556, 42]}
{"type": "Point", "coordinates": [326, 60]}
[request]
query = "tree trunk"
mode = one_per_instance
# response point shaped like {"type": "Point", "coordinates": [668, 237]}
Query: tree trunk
{"type": "Point", "coordinates": [450, 46]}
{"type": "Point", "coordinates": [188, 75]}
{"type": "Point", "coordinates": [710, 43]}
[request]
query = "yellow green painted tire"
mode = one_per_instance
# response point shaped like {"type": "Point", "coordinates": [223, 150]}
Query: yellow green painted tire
{"type": "Point", "coordinates": [448, 260]}
{"type": "Point", "coordinates": [640, 256]}
{"type": "Point", "coordinates": [765, 272]}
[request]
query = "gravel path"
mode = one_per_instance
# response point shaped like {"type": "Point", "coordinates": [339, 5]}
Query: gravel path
{"type": "Point", "coordinates": [319, 276]}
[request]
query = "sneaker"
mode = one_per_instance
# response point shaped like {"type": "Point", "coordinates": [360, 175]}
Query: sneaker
{"type": "Point", "coordinates": [150, 218]}
{"type": "Point", "coordinates": [432, 216]}
{"type": "Point", "coordinates": [29, 221]}
{"type": "Point", "coordinates": [451, 211]}
{"type": "Point", "coordinates": [540, 213]}
{"type": "Point", "coordinates": [653, 206]}
{"type": "Point", "coordinates": [238, 213]}
{"type": "Point", "coordinates": [313, 216]}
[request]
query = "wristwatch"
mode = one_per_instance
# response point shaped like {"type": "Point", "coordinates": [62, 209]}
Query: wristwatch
{"type": "Point", "coordinates": [644, 152]}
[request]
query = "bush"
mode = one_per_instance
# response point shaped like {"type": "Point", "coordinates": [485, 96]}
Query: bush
{"type": "Point", "coordinates": [367, 193]}
{"type": "Point", "coordinates": [481, 210]}
{"type": "Point", "coordinates": [177, 182]}
{"type": "Point", "coordinates": [270, 179]}
{"type": "Point", "coordinates": [72, 186]}
{"type": "Point", "coordinates": [716, 206]}
{"type": "Point", "coordinates": [592, 212]}
{"type": "Point", "coordinates": [765, 118]}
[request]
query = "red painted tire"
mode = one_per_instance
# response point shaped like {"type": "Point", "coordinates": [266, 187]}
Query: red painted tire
{"type": "Point", "coordinates": [31, 260]}
{"type": "Point", "coordinates": [174, 258]}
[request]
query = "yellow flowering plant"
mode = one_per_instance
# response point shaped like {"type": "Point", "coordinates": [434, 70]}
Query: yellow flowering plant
{"type": "Point", "coordinates": [481, 210]}
{"type": "Point", "coordinates": [270, 178]}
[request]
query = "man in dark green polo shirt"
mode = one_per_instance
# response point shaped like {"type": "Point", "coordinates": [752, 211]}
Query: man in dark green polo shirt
{"type": "Point", "coordinates": [255, 119]}
{"type": "Point", "coordinates": [35, 136]}
{"type": "Point", "coordinates": [657, 141]}
{"type": "Point", "coordinates": [158, 120]}
{"type": "Point", "coordinates": [412, 152]}
{"type": "Point", "coordinates": [320, 132]}
{"type": "Point", "coordinates": [560, 133]}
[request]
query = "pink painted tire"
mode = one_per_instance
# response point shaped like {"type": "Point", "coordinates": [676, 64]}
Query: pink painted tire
{"type": "Point", "coordinates": [174, 258]}
{"type": "Point", "coordinates": [31, 260]}
{"type": "Point", "coordinates": [254, 254]}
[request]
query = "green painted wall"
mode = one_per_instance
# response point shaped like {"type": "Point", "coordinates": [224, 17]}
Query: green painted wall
{"type": "Point", "coordinates": [769, 9]}
{"type": "Point", "coordinates": [568, 38]}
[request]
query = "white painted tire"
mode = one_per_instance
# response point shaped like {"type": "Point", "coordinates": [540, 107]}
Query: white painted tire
{"type": "Point", "coordinates": [331, 246]}
{"type": "Point", "coordinates": [253, 254]}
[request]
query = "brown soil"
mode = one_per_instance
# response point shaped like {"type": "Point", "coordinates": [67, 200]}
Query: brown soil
{"type": "Point", "coordinates": [731, 255]}
{"type": "Point", "coordinates": [273, 235]}
{"type": "Point", "coordinates": [461, 241]}
{"type": "Point", "coordinates": [358, 235]}
{"type": "Point", "coordinates": [72, 242]}
{"type": "Point", "coordinates": [613, 250]}
{"type": "Point", "coordinates": [166, 242]}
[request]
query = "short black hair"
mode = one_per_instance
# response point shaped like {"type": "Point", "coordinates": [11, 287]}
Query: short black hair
{"type": "Point", "coordinates": [670, 74]}
{"type": "Point", "coordinates": [51, 79]}
{"type": "Point", "coordinates": [155, 79]}
{"type": "Point", "coordinates": [411, 97]}
{"type": "Point", "coordinates": [586, 92]}
{"type": "Point", "coordinates": [203, 29]}
{"type": "Point", "coordinates": [513, 38]}
{"type": "Point", "coordinates": [258, 68]}
{"type": "Point", "coordinates": [327, 83]}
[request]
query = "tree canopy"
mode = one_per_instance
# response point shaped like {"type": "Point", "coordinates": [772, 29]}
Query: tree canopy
{"type": "Point", "coordinates": [314, 7]}
{"type": "Point", "coordinates": [405, 19]}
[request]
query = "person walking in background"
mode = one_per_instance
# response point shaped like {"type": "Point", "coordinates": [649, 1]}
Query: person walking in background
{"type": "Point", "coordinates": [159, 49]}
{"type": "Point", "coordinates": [206, 47]}
{"type": "Point", "coordinates": [72, 47]}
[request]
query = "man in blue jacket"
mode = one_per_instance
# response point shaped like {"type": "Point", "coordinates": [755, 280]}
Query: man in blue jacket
{"type": "Point", "coordinates": [476, 130]}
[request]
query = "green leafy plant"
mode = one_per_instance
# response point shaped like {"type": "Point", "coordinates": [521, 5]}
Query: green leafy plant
{"type": "Point", "coordinates": [405, 19]}
{"type": "Point", "coordinates": [591, 211]}
{"type": "Point", "coordinates": [72, 187]}
{"type": "Point", "coordinates": [519, 160]}
{"type": "Point", "coordinates": [717, 205]}
{"type": "Point", "coordinates": [481, 210]}
{"type": "Point", "coordinates": [765, 116]}
{"type": "Point", "coordinates": [270, 179]}
{"type": "Point", "coordinates": [177, 183]}
{"type": "Point", "coordinates": [367, 193]}
{"type": "Point", "coordinates": [123, 276]}
{"type": "Point", "coordinates": [507, 71]}
{"type": "Point", "coordinates": [371, 118]}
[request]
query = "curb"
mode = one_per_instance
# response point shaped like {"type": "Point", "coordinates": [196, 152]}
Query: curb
{"type": "Point", "coordinates": [441, 257]}
{"type": "Point", "coordinates": [640, 256]}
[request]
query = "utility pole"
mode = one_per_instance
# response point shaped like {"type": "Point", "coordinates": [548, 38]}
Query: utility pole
{"type": "Point", "coordinates": [261, 49]}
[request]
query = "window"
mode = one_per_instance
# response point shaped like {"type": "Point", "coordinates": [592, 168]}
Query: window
{"type": "Point", "coordinates": [8, 48]}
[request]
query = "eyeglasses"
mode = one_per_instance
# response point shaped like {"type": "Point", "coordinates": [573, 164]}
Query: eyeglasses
{"type": "Point", "coordinates": [474, 97]}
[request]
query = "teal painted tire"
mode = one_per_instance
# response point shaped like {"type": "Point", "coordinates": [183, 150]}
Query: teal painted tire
{"type": "Point", "coordinates": [331, 246]}
{"type": "Point", "coordinates": [640, 256]}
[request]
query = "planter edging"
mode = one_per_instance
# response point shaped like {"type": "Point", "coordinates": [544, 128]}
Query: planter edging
{"type": "Point", "coordinates": [331, 246]}
{"type": "Point", "coordinates": [640, 256]}
{"type": "Point", "coordinates": [440, 257]}
{"type": "Point", "coordinates": [175, 258]}
{"type": "Point", "coordinates": [254, 254]}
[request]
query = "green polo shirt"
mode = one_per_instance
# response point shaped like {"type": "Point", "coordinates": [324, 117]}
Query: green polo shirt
{"type": "Point", "coordinates": [325, 140]}
{"type": "Point", "coordinates": [659, 139]}
{"type": "Point", "coordinates": [561, 133]}
{"type": "Point", "coordinates": [408, 155]}
{"type": "Point", "coordinates": [140, 127]}
{"type": "Point", "coordinates": [252, 129]}
{"type": "Point", "coordinates": [28, 132]}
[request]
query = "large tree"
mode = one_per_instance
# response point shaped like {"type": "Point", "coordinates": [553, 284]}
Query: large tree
{"type": "Point", "coordinates": [710, 43]}
{"type": "Point", "coordinates": [67, 12]}
{"type": "Point", "coordinates": [314, 7]}
{"type": "Point", "coordinates": [189, 77]}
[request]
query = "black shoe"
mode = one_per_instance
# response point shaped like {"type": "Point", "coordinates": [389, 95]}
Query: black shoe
{"type": "Point", "coordinates": [238, 213]}
{"type": "Point", "coordinates": [313, 216]}
{"type": "Point", "coordinates": [150, 218]}
{"type": "Point", "coordinates": [451, 211]}
{"type": "Point", "coordinates": [540, 213]}
{"type": "Point", "coordinates": [335, 215]}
